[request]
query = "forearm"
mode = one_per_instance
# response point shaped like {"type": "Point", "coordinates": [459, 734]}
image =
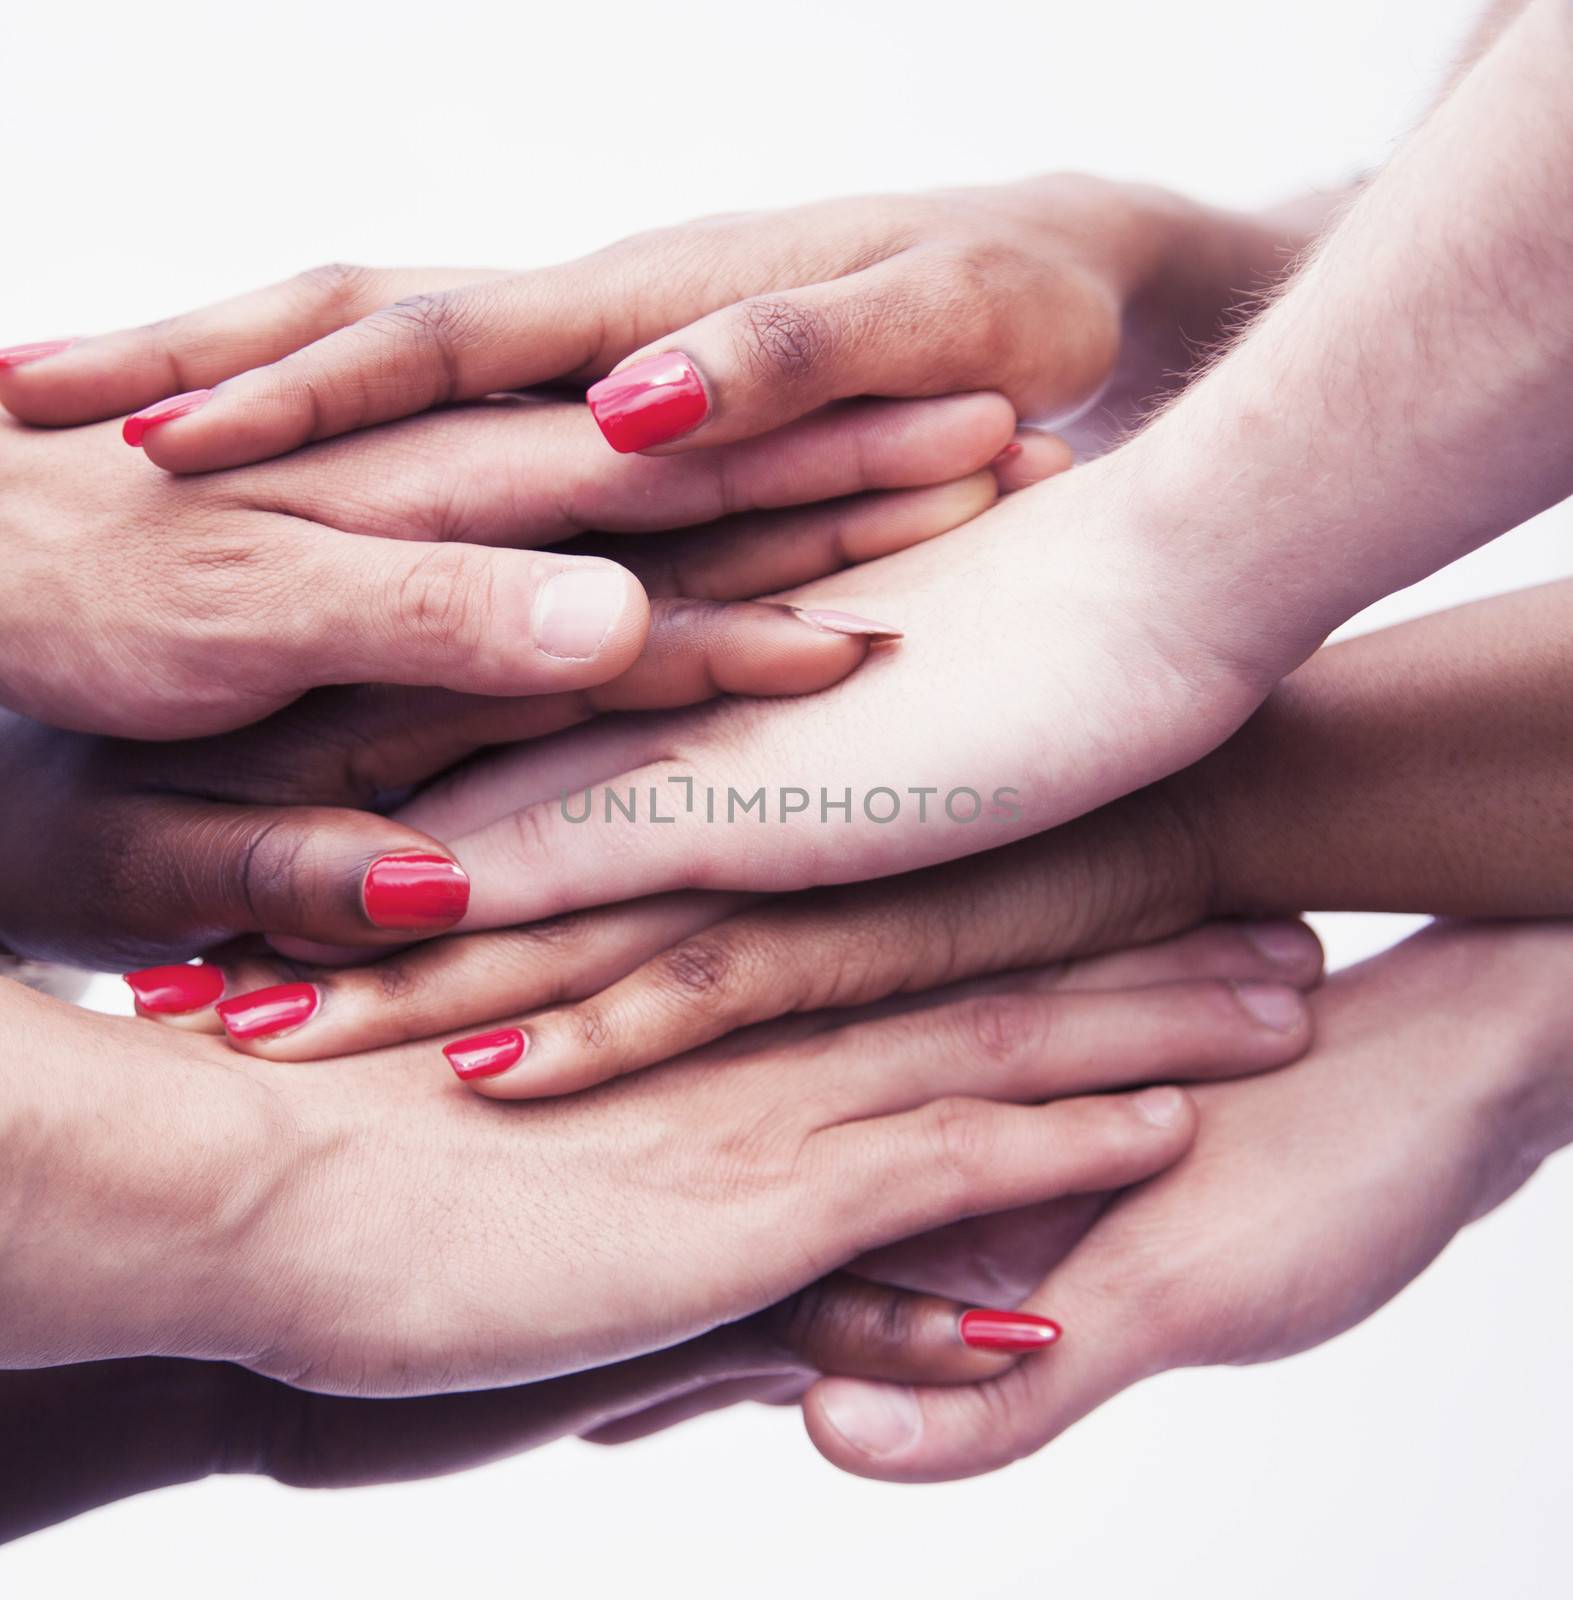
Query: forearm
{"type": "Point", "coordinates": [130, 1193]}
{"type": "Point", "coordinates": [1406, 399]}
{"type": "Point", "coordinates": [1422, 768]}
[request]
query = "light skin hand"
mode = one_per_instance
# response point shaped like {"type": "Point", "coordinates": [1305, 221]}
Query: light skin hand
{"type": "Point", "coordinates": [1413, 769]}
{"type": "Point", "coordinates": [1439, 1081]}
{"type": "Point", "coordinates": [363, 560]}
{"type": "Point", "coordinates": [1052, 290]}
{"type": "Point", "coordinates": [90, 1434]}
{"type": "Point", "coordinates": [371, 1229]}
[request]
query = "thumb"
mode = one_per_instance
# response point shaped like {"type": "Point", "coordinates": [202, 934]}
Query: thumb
{"type": "Point", "coordinates": [202, 873]}
{"type": "Point", "coordinates": [460, 616]}
{"type": "Point", "coordinates": [905, 1433]}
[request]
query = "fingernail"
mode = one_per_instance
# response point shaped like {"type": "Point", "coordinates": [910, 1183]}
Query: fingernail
{"type": "Point", "coordinates": [415, 892]}
{"type": "Point", "coordinates": [845, 622]}
{"type": "Point", "coordinates": [577, 609]}
{"type": "Point", "coordinates": [1007, 1330]}
{"type": "Point", "coordinates": [266, 1012]}
{"type": "Point", "coordinates": [1285, 944]}
{"type": "Point", "coordinates": [1273, 1004]}
{"type": "Point", "coordinates": [484, 1055]}
{"type": "Point", "coordinates": [651, 402]}
{"type": "Point", "coordinates": [1161, 1107]}
{"type": "Point", "coordinates": [880, 1419]}
{"type": "Point", "coordinates": [171, 991]}
{"type": "Point", "coordinates": [24, 355]}
{"type": "Point", "coordinates": [178, 405]}
{"type": "Point", "coordinates": [1009, 453]}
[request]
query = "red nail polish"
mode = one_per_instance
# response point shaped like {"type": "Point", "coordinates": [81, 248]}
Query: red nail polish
{"type": "Point", "coordinates": [1009, 453]}
{"type": "Point", "coordinates": [21, 355]}
{"type": "Point", "coordinates": [268, 1011]}
{"type": "Point", "coordinates": [415, 892]}
{"type": "Point", "coordinates": [171, 991]}
{"type": "Point", "coordinates": [651, 402]}
{"type": "Point", "coordinates": [484, 1055]}
{"type": "Point", "coordinates": [1006, 1330]}
{"type": "Point", "coordinates": [178, 405]}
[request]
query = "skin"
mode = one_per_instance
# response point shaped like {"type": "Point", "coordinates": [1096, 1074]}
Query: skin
{"type": "Point", "coordinates": [1414, 769]}
{"type": "Point", "coordinates": [125, 853]}
{"type": "Point", "coordinates": [1120, 631]}
{"type": "Point", "coordinates": [383, 559]}
{"type": "Point", "coordinates": [97, 1432]}
{"type": "Point", "coordinates": [1052, 291]}
{"type": "Point", "coordinates": [1441, 1078]}
{"type": "Point", "coordinates": [369, 1229]}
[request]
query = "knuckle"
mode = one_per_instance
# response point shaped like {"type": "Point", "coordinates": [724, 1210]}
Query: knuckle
{"type": "Point", "coordinates": [592, 1031]}
{"type": "Point", "coordinates": [784, 339]}
{"type": "Point", "coordinates": [696, 973]}
{"type": "Point", "coordinates": [337, 286]}
{"type": "Point", "coordinates": [956, 1138]}
{"type": "Point", "coordinates": [441, 599]}
{"type": "Point", "coordinates": [1003, 1028]}
{"type": "Point", "coordinates": [438, 323]}
{"type": "Point", "coordinates": [395, 982]}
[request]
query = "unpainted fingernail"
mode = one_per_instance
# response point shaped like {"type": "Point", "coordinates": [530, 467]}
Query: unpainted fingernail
{"type": "Point", "coordinates": [846, 622]}
{"type": "Point", "coordinates": [1275, 1005]}
{"type": "Point", "coordinates": [577, 609]}
{"type": "Point", "coordinates": [1285, 944]}
{"type": "Point", "coordinates": [880, 1419]}
{"type": "Point", "coordinates": [1163, 1107]}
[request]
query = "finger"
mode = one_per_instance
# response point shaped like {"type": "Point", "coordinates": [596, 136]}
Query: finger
{"type": "Point", "coordinates": [433, 988]}
{"type": "Point", "coordinates": [1029, 458]}
{"type": "Point", "coordinates": [500, 622]}
{"type": "Point", "coordinates": [848, 1326]}
{"type": "Point", "coordinates": [848, 948]}
{"type": "Point", "coordinates": [426, 349]}
{"type": "Point", "coordinates": [187, 874]}
{"type": "Point", "coordinates": [1027, 1046]}
{"type": "Point", "coordinates": [1242, 952]}
{"type": "Point", "coordinates": [929, 1433]}
{"type": "Point", "coordinates": [762, 552]}
{"type": "Point", "coordinates": [890, 1178]}
{"type": "Point", "coordinates": [107, 376]}
{"type": "Point", "coordinates": [900, 328]}
{"type": "Point", "coordinates": [520, 472]}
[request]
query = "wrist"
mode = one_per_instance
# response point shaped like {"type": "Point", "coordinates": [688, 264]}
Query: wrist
{"type": "Point", "coordinates": [138, 1177]}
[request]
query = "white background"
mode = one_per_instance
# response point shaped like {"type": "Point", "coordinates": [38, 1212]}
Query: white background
{"type": "Point", "coordinates": [167, 152]}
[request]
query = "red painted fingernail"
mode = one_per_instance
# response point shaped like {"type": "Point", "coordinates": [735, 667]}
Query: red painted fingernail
{"type": "Point", "coordinates": [484, 1055]}
{"type": "Point", "coordinates": [170, 991]}
{"type": "Point", "coordinates": [415, 892]}
{"type": "Point", "coordinates": [1009, 453]}
{"type": "Point", "coordinates": [846, 622]}
{"type": "Point", "coordinates": [178, 405]}
{"type": "Point", "coordinates": [1007, 1330]}
{"type": "Point", "coordinates": [268, 1011]}
{"type": "Point", "coordinates": [649, 403]}
{"type": "Point", "coordinates": [22, 355]}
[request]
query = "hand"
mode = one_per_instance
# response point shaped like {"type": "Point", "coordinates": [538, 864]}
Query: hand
{"type": "Point", "coordinates": [85, 1435]}
{"type": "Point", "coordinates": [1021, 287]}
{"type": "Point", "coordinates": [367, 1228]}
{"type": "Point", "coordinates": [359, 561]}
{"type": "Point", "coordinates": [1051, 660]}
{"type": "Point", "coordinates": [122, 854]}
{"type": "Point", "coordinates": [1440, 1079]}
